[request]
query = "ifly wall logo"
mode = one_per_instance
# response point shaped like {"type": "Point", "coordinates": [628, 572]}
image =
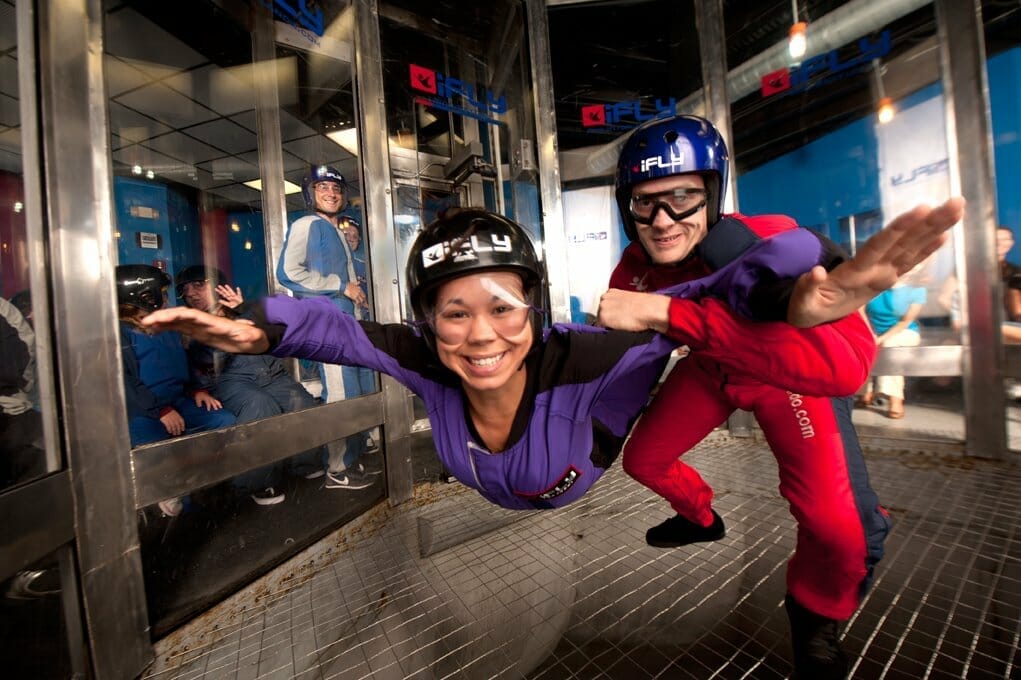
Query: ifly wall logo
{"type": "Point", "coordinates": [826, 68]}
{"type": "Point", "coordinates": [603, 118]}
{"type": "Point", "coordinates": [308, 22]}
{"type": "Point", "coordinates": [455, 95]}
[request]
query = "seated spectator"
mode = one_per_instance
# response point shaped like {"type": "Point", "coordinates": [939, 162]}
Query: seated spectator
{"type": "Point", "coordinates": [162, 400]}
{"type": "Point", "coordinates": [893, 315]}
{"type": "Point", "coordinates": [251, 386]}
{"type": "Point", "coordinates": [22, 451]}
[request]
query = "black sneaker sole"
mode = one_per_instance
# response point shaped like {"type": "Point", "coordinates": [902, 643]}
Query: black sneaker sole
{"type": "Point", "coordinates": [675, 544]}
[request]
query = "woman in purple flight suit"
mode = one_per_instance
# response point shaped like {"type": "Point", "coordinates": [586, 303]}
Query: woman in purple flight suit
{"type": "Point", "coordinates": [529, 417]}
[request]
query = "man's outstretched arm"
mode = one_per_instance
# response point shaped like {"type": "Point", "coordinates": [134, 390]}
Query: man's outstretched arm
{"type": "Point", "coordinates": [820, 296]}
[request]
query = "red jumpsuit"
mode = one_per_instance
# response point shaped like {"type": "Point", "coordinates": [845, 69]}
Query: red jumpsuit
{"type": "Point", "coordinates": [841, 526]}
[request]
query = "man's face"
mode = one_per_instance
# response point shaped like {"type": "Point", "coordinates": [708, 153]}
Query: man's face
{"type": "Point", "coordinates": [199, 295]}
{"type": "Point", "coordinates": [329, 196]}
{"type": "Point", "coordinates": [665, 240]}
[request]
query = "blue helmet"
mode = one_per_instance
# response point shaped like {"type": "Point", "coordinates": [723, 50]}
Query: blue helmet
{"type": "Point", "coordinates": [664, 147]}
{"type": "Point", "coordinates": [321, 173]}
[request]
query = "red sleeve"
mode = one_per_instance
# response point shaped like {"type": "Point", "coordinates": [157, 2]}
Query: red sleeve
{"type": "Point", "coordinates": [626, 269]}
{"type": "Point", "coordinates": [832, 360]}
{"type": "Point", "coordinates": [765, 226]}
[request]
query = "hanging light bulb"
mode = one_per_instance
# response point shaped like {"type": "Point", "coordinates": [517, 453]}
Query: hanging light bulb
{"type": "Point", "coordinates": [798, 42]}
{"type": "Point", "coordinates": [885, 111]}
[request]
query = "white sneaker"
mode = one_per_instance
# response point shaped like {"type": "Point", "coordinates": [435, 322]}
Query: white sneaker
{"type": "Point", "coordinates": [171, 507]}
{"type": "Point", "coordinates": [315, 474]}
{"type": "Point", "coordinates": [268, 496]}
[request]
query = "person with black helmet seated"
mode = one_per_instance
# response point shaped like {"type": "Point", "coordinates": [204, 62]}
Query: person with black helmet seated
{"type": "Point", "coordinates": [529, 417]}
{"type": "Point", "coordinates": [316, 261]}
{"type": "Point", "coordinates": [671, 177]}
{"type": "Point", "coordinates": [162, 399]}
{"type": "Point", "coordinates": [251, 386]}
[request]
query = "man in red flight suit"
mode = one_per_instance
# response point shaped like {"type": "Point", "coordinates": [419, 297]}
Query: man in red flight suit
{"type": "Point", "coordinates": [670, 182]}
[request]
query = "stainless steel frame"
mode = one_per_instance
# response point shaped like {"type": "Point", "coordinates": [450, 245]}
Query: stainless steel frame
{"type": "Point", "coordinates": [78, 187]}
{"type": "Point", "coordinates": [378, 207]}
{"type": "Point", "coordinates": [554, 231]}
{"type": "Point", "coordinates": [969, 132]}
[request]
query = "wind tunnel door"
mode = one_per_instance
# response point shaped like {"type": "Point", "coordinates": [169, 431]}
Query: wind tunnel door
{"type": "Point", "coordinates": [460, 118]}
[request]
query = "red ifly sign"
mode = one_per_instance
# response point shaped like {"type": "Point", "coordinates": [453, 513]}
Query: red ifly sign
{"type": "Point", "coordinates": [444, 91]}
{"type": "Point", "coordinates": [825, 68]}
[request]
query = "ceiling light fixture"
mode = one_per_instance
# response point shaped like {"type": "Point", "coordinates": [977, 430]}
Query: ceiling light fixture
{"type": "Point", "coordinates": [885, 109]}
{"type": "Point", "coordinates": [798, 42]}
{"type": "Point", "coordinates": [289, 187]}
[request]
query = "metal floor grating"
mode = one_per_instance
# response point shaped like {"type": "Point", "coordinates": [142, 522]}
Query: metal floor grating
{"type": "Point", "coordinates": [577, 593]}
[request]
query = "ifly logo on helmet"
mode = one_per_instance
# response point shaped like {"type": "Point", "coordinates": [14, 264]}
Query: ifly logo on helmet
{"type": "Point", "coordinates": [465, 250]}
{"type": "Point", "coordinates": [672, 163]}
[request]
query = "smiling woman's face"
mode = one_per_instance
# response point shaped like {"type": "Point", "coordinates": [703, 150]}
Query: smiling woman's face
{"type": "Point", "coordinates": [483, 330]}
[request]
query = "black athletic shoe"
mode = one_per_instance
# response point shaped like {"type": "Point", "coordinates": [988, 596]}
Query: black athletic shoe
{"type": "Point", "coordinates": [678, 531]}
{"type": "Point", "coordinates": [816, 646]}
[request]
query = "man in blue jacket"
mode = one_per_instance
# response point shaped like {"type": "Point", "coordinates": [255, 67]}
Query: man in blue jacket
{"type": "Point", "coordinates": [316, 261]}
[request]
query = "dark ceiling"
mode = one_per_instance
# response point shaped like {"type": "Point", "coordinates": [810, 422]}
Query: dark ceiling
{"type": "Point", "coordinates": [625, 50]}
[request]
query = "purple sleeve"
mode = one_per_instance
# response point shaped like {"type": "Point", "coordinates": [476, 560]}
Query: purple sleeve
{"type": "Point", "coordinates": [787, 255]}
{"type": "Point", "coordinates": [317, 329]}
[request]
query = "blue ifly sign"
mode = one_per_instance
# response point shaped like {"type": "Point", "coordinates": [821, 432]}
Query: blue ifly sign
{"type": "Point", "coordinates": [308, 22]}
{"type": "Point", "coordinates": [825, 68]}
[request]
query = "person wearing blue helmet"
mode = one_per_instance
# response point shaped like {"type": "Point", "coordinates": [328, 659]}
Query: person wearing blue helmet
{"type": "Point", "coordinates": [316, 261]}
{"type": "Point", "coordinates": [670, 184]}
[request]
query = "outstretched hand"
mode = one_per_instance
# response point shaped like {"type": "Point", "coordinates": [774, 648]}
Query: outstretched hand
{"type": "Point", "coordinates": [820, 296]}
{"type": "Point", "coordinates": [237, 337]}
{"type": "Point", "coordinates": [230, 297]}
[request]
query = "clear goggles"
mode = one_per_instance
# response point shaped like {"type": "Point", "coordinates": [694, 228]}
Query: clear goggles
{"type": "Point", "coordinates": [678, 204]}
{"type": "Point", "coordinates": [492, 309]}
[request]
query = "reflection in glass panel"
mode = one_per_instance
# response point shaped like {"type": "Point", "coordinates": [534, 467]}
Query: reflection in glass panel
{"type": "Point", "coordinates": [459, 114]}
{"type": "Point", "coordinates": [810, 142]}
{"type": "Point", "coordinates": [33, 631]}
{"type": "Point", "coordinates": [199, 547]}
{"type": "Point", "coordinates": [22, 450]}
{"type": "Point", "coordinates": [190, 230]}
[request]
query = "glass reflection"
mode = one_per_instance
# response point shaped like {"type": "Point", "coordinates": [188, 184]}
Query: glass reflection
{"type": "Point", "coordinates": [33, 630]}
{"type": "Point", "coordinates": [22, 449]}
{"type": "Point", "coordinates": [198, 547]}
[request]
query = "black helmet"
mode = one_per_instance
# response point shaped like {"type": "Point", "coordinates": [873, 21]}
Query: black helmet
{"type": "Point", "coordinates": [141, 286]}
{"type": "Point", "coordinates": [469, 241]}
{"type": "Point", "coordinates": [321, 173]}
{"type": "Point", "coordinates": [197, 272]}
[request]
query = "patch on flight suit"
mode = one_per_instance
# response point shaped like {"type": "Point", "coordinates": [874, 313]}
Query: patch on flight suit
{"type": "Point", "coordinates": [561, 487]}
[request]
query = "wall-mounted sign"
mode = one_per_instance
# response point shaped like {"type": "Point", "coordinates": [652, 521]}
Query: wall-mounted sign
{"type": "Point", "coordinates": [825, 68]}
{"type": "Point", "coordinates": [147, 239]}
{"type": "Point", "coordinates": [308, 22]}
{"type": "Point", "coordinates": [144, 212]}
{"type": "Point", "coordinates": [455, 95]}
{"type": "Point", "coordinates": [604, 118]}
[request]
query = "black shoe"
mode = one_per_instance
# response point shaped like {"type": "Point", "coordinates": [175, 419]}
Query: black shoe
{"type": "Point", "coordinates": [678, 531]}
{"type": "Point", "coordinates": [816, 647]}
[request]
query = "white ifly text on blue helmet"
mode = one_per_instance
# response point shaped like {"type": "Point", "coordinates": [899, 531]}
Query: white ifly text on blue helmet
{"type": "Point", "coordinates": [675, 161]}
{"type": "Point", "coordinates": [462, 250]}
